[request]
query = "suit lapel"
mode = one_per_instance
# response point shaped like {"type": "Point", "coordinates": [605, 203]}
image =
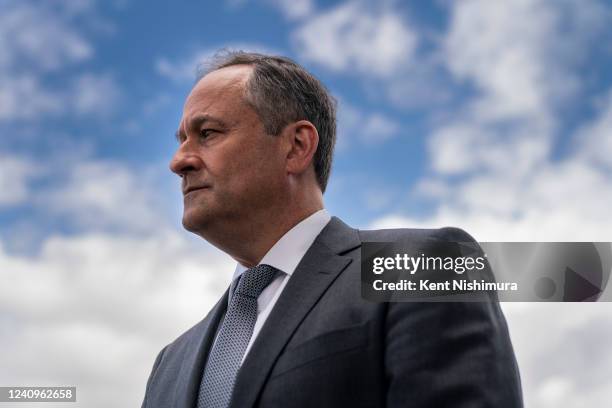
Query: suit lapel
{"type": "Point", "coordinates": [317, 270]}
{"type": "Point", "coordinates": [190, 375]}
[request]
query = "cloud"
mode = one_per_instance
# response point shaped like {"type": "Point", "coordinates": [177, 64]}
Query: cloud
{"type": "Point", "coordinates": [15, 174]}
{"type": "Point", "coordinates": [23, 97]}
{"type": "Point", "coordinates": [559, 202]}
{"type": "Point", "coordinates": [569, 365]}
{"type": "Point", "coordinates": [124, 284]}
{"type": "Point", "coordinates": [36, 42]}
{"type": "Point", "coordinates": [522, 55]}
{"type": "Point", "coordinates": [73, 191]}
{"type": "Point", "coordinates": [499, 148]}
{"type": "Point", "coordinates": [89, 295]}
{"type": "Point", "coordinates": [106, 194]}
{"type": "Point", "coordinates": [181, 71]}
{"type": "Point", "coordinates": [595, 138]}
{"type": "Point", "coordinates": [26, 97]}
{"type": "Point", "coordinates": [39, 37]}
{"type": "Point", "coordinates": [378, 127]}
{"type": "Point", "coordinates": [291, 9]}
{"type": "Point", "coordinates": [422, 86]}
{"type": "Point", "coordinates": [294, 9]}
{"type": "Point", "coordinates": [94, 94]}
{"type": "Point", "coordinates": [355, 38]}
{"type": "Point", "coordinates": [358, 125]}
{"type": "Point", "coordinates": [119, 280]}
{"type": "Point", "coordinates": [496, 171]}
{"type": "Point", "coordinates": [185, 69]}
{"type": "Point", "coordinates": [466, 146]}
{"type": "Point", "coordinates": [492, 166]}
{"type": "Point", "coordinates": [394, 59]}
{"type": "Point", "coordinates": [123, 281]}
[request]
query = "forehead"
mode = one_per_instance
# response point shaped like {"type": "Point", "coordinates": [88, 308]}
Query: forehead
{"type": "Point", "coordinates": [222, 89]}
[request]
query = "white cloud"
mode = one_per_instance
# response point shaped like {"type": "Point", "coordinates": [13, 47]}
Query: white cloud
{"type": "Point", "coordinates": [39, 37]}
{"type": "Point", "coordinates": [378, 198]}
{"type": "Point", "coordinates": [128, 292]}
{"type": "Point", "coordinates": [466, 145]}
{"type": "Point", "coordinates": [595, 139]}
{"type": "Point", "coordinates": [93, 94]}
{"type": "Point", "coordinates": [36, 41]}
{"type": "Point", "coordinates": [294, 9]}
{"type": "Point", "coordinates": [418, 86]}
{"type": "Point", "coordinates": [23, 97]}
{"type": "Point", "coordinates": [106, 194]}
{"type": "Point", "coordinates": [124, 285]}
{"type": "Point", "coordinates": [503, 141]}
{"type": "Point", "coordinates": [15, 173]}
{"type": "Point", "coordinates": [521, 54]}
{"type": "Point", "coordinates": [291, 9]}
{"type": "Point", "coordinates": [500, 47]}
{"type": "Point", "coordinates": [156, 104]}
{"type": "Point", "coordinates": [355, 37]}
{"type": "Point", "coordinates": [567, 362]}
{"type": "Point", "coordinates": [117, 295]}
{"type": "Point", "coordinates": [569, 201]}
{"type": "Point", "coordinates": [377, 127]}
{"type": "Point", "coordinates": [369, 128]}
{"type": "Point", "coordinates": [560, 202]}
{"type": "Point", "coordinates": [494, 173]}
{"type": "Point", "coordinates": [511, 188]}
{"type": "Point", "coordinates": [185, 69]}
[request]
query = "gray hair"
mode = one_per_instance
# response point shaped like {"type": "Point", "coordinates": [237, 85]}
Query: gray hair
{"type": "Point", "coordinates": [283, 92]}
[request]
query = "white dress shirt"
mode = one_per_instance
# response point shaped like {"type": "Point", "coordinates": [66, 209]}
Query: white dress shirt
{"type": "Point", "coordinates": [285, 256]}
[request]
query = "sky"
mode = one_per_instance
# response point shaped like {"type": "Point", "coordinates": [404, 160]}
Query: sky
{"type": "Point", "coordinates": [495, 117]}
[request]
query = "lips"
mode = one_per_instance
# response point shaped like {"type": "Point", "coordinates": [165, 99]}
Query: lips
{"type": "Point", "coordinates": [194, 188]}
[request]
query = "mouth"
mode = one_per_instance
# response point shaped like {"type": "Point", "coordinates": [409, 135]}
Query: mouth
{"type": "Point", "coordinates": [191, 189]}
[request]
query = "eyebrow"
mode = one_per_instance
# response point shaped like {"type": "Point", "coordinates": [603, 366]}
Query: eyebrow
{"type": "Point", "coordinates": [198, 120]}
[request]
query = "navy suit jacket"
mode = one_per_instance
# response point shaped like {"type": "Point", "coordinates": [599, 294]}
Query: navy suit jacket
{"type": "Point", "coordinates": [323, 345]}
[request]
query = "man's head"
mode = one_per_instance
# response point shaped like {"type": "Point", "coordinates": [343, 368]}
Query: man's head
{"type": "Point", "coordinates": [257, 133]}
{"type": "Point", "coordinates": [282, 92]}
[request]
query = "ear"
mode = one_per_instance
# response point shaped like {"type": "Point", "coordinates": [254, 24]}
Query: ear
{"type": "Point", "coordinates": [302, 141]}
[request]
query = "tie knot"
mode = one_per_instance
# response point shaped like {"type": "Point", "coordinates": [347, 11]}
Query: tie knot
{"type": "Point", "coordinates": [255, 280]}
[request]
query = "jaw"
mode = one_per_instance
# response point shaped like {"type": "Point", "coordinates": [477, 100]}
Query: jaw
{"type": "Point", "coordinates": [195, 219]}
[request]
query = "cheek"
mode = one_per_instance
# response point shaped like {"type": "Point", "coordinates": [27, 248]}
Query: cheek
{"type": "Point", "coordinates": [246, 168]}
{"type": "Point", "coordinates": [260, 176]}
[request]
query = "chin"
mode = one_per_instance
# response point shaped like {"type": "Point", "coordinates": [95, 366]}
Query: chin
{"type": "Point", "coordinates": [195, 222]}
{"type": "Point", "coordinates": [187, 224]}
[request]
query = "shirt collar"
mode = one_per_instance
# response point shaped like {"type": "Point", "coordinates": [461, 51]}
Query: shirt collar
{"type": "Point", "coordinates": [288, 251]}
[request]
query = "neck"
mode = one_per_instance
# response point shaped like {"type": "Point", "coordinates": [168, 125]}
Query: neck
{"type": "Point", "coordinates": [248, 240]}
{"type": "Point", "coordinates": [257, 248]}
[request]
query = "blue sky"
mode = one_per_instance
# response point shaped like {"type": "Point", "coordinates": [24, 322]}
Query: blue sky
{"type": "Point", "coordinates": [492, 116]}
{"type": "Point", "coordinates": [132, 115]}
{"type": "Point", "coordinates": [109, 80]}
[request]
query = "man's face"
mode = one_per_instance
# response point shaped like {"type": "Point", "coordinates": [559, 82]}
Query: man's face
{"type": "Point", "coordinates": [231, 169]}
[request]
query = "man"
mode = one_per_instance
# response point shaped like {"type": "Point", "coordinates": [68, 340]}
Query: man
{"type": "Point", "coordinates": [255, 150]}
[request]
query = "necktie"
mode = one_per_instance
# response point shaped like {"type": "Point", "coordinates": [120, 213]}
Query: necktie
{"type": "Point", "coordinates": [234, 334]}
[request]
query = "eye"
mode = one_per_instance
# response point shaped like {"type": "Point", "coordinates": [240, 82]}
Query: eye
{"type": "Point", "coordinates": [205, 133]}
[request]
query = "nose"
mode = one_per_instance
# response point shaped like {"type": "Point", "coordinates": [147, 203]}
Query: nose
{"type": "Point", "coordinates": [185, 161]}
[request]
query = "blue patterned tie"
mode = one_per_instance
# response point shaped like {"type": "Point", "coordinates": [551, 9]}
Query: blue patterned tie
{"type": "Point", "coordinates": [227, 352]}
